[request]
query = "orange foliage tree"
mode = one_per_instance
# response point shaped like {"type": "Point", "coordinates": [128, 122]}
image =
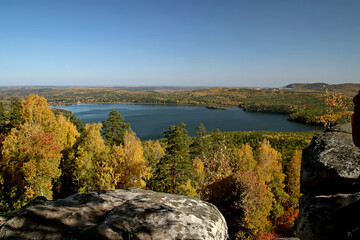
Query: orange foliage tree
{"type": "Point", "coordinates": [245, 202]}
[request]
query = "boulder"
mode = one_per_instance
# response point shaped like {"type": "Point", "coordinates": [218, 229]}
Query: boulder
{"type": "Point", "coordinates": [329, 217]}
{"type": "Point", "coordinates": [331, 164]}
{"type": "Point", "coordinates": [330, 182]}
{"type": "Point", "coordinates": [116, 214]}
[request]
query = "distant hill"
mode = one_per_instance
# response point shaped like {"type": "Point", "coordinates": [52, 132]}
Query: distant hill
{"type": "Point", "coordinates": [349, 89]}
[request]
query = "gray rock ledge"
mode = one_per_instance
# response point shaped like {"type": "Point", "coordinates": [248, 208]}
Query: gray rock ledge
{"type": "Point", "coordinates": [331, 164]}
{"type": "Point", "coordinates": [116, 214]}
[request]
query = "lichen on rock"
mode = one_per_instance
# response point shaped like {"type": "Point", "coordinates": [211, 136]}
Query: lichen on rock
{"type": "Point", "coordinates": [116, 214]}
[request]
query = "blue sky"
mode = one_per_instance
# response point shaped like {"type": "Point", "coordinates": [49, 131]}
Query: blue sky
{"type": "Point", "coordinates": [267, 43]}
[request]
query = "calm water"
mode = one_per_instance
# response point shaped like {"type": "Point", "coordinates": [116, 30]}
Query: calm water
{"type": "Point", "coordinates": [150, 121]}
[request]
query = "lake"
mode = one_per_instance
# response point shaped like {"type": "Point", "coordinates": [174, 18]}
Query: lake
{"type": "Point", "coordinates": [150, 121]}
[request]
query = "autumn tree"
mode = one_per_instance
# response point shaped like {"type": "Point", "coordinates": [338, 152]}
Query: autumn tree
{"type": "Point", "coordinates": [216, 159]}
{"type": "Point", "coordinates": [66, 133]}
{"type": "Point", "coordinates": [153, 153]}
{"type": "Point", "coordinates": [242, 159]}
{"type": "Point", "coordinates": [36, 111]}
{"type": "Point", "coordinates": [293, 179]}
{"type": "Point", "coordinates": [269, 170]}
{"type": "Point", "coordinates": [66, 136]}
{"type": "Point", "coordinates": [125, 166]}
{"type": "Point", "coordinates": [30, 163]}
{"type": "Point", "coordinates": [293, 170]}
{"type": "Point", "coordinates": [79, 124]}
{"type": "Point", "coordinates": [200, 182]}
{"type": "Point", "coordinates": [245, 201]}
{"type": "Point", "coordinates": [114, 128]}
{"type": "Point", "coordinates": [175, 168]}
{"type": "Point", "coordinates": [133, 170]}
{"type": "Point", "coordinates": [109, 170]}
{"type": "Point", "coordinates": [90, 153]}
{"type": "Point", "coordinates": [336, 108]}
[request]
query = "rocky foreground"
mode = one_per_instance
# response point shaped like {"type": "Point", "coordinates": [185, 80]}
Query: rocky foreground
{"type": "Point", "coordinates": [330, 182]}
{"type": "Point", "coordinates": [116, 214]}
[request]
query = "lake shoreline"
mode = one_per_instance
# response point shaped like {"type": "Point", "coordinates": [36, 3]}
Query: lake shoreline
{"type": "Point", "coordinates": [149, 121]}
{"type": "Point", "coordinates": [223, 107]}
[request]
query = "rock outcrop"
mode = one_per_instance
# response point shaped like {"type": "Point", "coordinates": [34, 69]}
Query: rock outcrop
{"type": "Point", "coordinates": [330, 182]}
{"type": "Point", "coordinates": [116, 214]}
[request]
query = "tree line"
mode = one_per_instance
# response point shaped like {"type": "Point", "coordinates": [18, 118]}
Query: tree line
{"type": "Point", "coordinates": [252, 177]}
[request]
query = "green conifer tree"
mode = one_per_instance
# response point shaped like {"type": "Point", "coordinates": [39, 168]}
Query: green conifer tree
{"type": "Point", "coordinates": [14, 116]}
{"type": "Point", "coordinates": [201, 131]}
{"type": "Point", "coordinates": [114, 128]}
{"type": "Point", "coordinates": [3, 119]}
{"type": "Point", "coordinates": [175, 168]}
{"type": "Point", "coordinates": [200, 144]}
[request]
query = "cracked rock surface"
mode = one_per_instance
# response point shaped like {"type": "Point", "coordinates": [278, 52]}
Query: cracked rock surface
{"type": "Point", "coordinates": [330, 182]}
{"type": "Point", "coordinates": [116, 214]}
{"type": "Point", "coordinates": [331, 164]}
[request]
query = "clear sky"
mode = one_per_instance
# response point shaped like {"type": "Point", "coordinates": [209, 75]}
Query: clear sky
{"type": "Point", "coordinates": [238, 43]}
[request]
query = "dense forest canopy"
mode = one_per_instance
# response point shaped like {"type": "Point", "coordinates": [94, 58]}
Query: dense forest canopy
{"type": "Point", "coordinates": [252, 177]}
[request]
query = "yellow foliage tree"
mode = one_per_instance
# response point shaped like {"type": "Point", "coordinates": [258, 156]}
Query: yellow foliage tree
{"type": "Point", "coordinates": [199, 170]}
{"type": "Point", "coordinates": [199, 178]}
{"type": "Point", "coordinates": [293, 179]}
{"type": "Point", "coordinates": [132, 167]}
{"type": "Point", "coordinates": [269, 169]}
{"type": "Point", "coordinates": [286, 222]}
{"type": "Point", "coordinates": [92, 151]}
{"type": "Point", "coordinates": [107, 171]}
{"type": "Point", "coordinates": [30, 163]}
{"type": "Point", "coordinates": [268, 161]}
{"type": "Point", "coordinates": [36, 111]}
{"type": "Point", "coordinates": [189, 190]}
{"type": "Point", "coordinates": [153, 153]}
{"type": "Point", "coordinates": [66, 133]}
{"type": "Point", "coordinates": [243, 159]}
{"type": "Point", "coordinates": [336, 108]}
{"type": "Point", "coordinates": [217, 164]}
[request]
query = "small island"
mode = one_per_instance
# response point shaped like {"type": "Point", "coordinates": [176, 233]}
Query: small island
{"type": "Point", "coordinates": [216, 108]}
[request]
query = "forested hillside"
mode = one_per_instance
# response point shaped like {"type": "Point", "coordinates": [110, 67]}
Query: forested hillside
{"type": "Point", "coordinates": [252, 177]}
{"type": "Point", "coordinates": [348, 89]}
